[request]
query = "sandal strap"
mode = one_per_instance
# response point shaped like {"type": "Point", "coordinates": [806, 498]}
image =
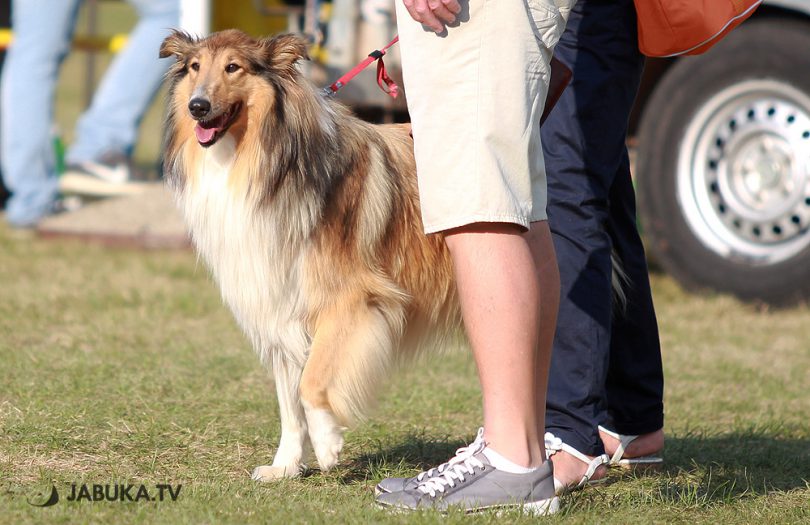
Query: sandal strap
{"type": "Point", "coordinates": [555, 444]}
{"type": "Point", "coordinates": [624, 442]}
{"type": "Point", "coordinates": [593, 464]}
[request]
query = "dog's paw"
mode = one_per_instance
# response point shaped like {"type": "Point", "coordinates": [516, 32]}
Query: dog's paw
{"type": "Point", "coordinates": [327, 449]}
{"type": "Point", "coordinates": [326, 436]}
{"type": "Point", "coordinates": [271, 473]}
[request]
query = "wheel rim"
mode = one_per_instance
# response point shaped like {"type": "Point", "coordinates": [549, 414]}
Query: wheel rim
{"type": "Point", "coordinates": [744, 172]}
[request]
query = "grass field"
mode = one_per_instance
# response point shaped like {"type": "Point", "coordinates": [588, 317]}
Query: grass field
{"type": "Point", "coordinates": [123, 367]}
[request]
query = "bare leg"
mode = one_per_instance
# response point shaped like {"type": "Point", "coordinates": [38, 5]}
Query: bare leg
{"type": "Point", "coordinates": [500, 296]}
{"type": "Point", "coordinates": [548, 275]}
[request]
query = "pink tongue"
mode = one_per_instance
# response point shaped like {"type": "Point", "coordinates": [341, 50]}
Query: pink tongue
{"type": "Point", "coordinates": [204, 135]}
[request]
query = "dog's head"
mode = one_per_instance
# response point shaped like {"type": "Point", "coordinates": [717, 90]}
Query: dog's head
{"type": "Point", "coordinates": [217, 79]}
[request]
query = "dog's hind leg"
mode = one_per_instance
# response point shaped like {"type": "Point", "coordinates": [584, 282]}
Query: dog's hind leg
{"type": "Point", "coordinates": [350, 354]}
{"type": "Point", "coordinates": [289, 455]}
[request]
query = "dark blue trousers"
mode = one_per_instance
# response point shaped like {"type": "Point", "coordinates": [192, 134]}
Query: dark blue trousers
{"type": "Point", "coordinates": [606, 364]}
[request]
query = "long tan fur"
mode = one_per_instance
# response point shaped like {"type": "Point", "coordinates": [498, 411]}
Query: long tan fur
{"type": "Point", "coordinates": [308, 218]}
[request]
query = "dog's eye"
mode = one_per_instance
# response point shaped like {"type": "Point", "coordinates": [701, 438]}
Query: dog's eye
{"type": "Point", "coordinates": [195, 66]}
{"type": "Point", "coordinates": [231, 68]}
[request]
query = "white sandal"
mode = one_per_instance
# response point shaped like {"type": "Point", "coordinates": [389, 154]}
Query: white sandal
{"type": "Point", "coordinates": [554, 445]}
{"type": "Point", "coordinates": [651, 461]}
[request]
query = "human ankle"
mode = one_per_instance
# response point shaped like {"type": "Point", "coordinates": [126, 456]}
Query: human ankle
{"type": "Point", "coordinates": [523, 453]}
{"type": "Point", "coordinates": [569, 470]}
{"type": "Point", "coordinates": [500, 462]}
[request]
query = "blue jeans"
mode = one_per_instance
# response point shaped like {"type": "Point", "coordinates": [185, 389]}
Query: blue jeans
{"type": "Point", "coordinates": [43, 31]}
{"type": "Point", "coordinates": [606, 364]}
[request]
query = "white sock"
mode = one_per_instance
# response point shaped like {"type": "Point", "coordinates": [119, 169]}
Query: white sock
{"type": "Point", "coordinates": [501, 463]}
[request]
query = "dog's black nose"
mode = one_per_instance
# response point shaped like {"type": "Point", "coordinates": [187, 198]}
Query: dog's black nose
{"type": "Point", "coordinates": [199, 107]}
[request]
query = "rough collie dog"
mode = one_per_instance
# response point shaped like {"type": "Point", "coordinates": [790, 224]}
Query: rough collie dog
{"type": "Point", "coordinates": [309, 220]}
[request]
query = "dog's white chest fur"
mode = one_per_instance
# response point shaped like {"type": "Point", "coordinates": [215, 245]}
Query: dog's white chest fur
{"type": "Point", "coordinates": [259, 277]}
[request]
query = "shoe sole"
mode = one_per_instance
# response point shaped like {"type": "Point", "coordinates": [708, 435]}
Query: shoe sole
{"type": "Point", "coordinates": [565, 490]}
{"type": "Point", "coordinates": [639, 465]}
{"type": "Point", "coordinates": [74, 184]}
{"type": "Point", "coordinates": [545, 507]}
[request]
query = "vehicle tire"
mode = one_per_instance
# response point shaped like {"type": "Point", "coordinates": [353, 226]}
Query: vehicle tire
{"type": "Point", "coordinates": [723, 165]}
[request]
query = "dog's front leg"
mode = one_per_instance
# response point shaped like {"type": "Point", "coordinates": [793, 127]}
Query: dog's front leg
{"type": "Point", "coordinates": [326, 434]}
{"type": "Point", "coordinates": [350, 353]}
{"type": "Point", "coordinates": [288, 459]}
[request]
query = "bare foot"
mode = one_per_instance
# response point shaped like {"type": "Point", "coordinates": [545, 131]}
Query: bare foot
{"type": "Point", "coordinates": [644, 445]}
{"type": "Point", "coordinates": [569, 470]}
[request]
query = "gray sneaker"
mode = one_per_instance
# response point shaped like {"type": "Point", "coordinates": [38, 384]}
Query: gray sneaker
{"type": "Point", "coordinates": [398, 484]}
{"type": "Point", "coordinates": [471, 483]}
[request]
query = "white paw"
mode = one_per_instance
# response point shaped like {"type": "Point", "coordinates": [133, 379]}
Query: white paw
{"type": "Point", "coordinates": [271, 473]}
{"type": "Point", "coordinates": [325, 435]}
{"type": "Point", "coordinates": [327, 449]}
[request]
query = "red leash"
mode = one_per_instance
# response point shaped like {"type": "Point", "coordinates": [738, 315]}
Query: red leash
{"type": "Point", "coordinates": [383, 80]}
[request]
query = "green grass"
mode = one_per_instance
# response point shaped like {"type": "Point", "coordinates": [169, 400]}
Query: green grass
{"type": "Point", "coordinates": [123, 367]}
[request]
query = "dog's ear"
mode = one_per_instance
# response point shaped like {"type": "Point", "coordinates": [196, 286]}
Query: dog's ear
{"type": "Point", "coordinates": [282, 52]}
{"type": "Point", "coordinates": [179, 44]}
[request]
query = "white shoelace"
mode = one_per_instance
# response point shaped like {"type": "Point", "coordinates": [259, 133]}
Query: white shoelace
{"type": "Point", "coordinates": [479, 440]}
{"type": "Point", "coordinates": [433, 471]}
{"type": "Point", "coordinates": [447, 474]}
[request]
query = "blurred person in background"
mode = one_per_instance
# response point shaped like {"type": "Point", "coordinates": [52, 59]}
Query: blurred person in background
{"type": "Point", "coordinates": [99, 161]}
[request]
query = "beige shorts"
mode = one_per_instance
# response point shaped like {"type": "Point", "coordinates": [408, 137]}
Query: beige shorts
{"type": "Point", "coordinates": [475, 96]}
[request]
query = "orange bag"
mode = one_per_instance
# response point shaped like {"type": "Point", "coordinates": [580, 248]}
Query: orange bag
{"type": "Point", "coordinates": [687, 27]}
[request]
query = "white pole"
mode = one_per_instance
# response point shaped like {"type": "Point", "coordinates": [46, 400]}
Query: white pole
{"type": "Point", "coordinates": [342, 43]}
{"type": "Point", "coordinates": [195, 16]}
